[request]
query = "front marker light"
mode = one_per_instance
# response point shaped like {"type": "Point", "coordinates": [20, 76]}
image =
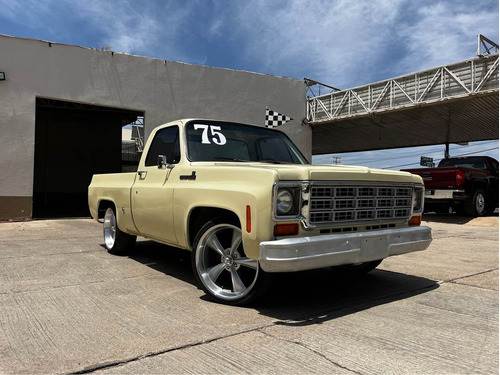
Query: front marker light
{"type": "Point", "coordinates": [284, 202]}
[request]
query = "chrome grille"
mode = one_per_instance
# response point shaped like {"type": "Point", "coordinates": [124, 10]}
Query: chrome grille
{"type": "Point", "coordinates": [331, 205]}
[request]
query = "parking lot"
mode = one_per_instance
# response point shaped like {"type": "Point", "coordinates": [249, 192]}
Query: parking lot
{"type": "Point", "coordinates": [67, 306]}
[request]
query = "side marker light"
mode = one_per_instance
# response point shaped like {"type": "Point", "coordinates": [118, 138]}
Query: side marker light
{"type": "Point", "coordinates": [249, 219]}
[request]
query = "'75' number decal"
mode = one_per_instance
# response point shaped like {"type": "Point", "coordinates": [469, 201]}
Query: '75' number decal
{"type": "Point", "coordinates": [216, 136]}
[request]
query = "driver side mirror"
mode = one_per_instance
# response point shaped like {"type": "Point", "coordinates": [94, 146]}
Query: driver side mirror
{"type": "Point", "coordinates": [163, 164]}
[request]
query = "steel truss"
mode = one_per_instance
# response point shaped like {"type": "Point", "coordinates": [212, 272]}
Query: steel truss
{"type": "Point", "coordinates": [466, 78]}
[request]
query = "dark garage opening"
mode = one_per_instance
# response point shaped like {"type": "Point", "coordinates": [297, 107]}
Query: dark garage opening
{"type": "Point", "coordinates": [73, 141]}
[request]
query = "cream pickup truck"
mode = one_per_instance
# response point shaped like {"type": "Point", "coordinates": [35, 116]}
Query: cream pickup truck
{"type": "Point", "coordinates": [246, 203]}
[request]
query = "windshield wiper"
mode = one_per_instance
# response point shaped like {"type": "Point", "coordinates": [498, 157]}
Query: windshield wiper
{"type": "Point", "coordinates": [272, 161]}
{"type": "Point", "coordinates": [230, 159]}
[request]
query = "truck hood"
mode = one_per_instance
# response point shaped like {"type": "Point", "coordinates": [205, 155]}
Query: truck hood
{"type": "Point", "coordinates": [294, 172]}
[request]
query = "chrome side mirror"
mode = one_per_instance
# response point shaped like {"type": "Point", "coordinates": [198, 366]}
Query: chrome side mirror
{"type": "Point", "coordinates": [162, 163]}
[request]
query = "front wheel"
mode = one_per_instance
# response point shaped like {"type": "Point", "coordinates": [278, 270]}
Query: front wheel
{"type": "Point", "coordinates": [116, 241]}
{"type": "Point", "coordinates": [222, 268]}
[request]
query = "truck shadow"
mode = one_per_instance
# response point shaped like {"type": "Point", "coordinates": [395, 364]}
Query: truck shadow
{"type": "Point", "coordinates": [446, 218]}
{"type": "Point", "coordinates": [315, 296]}
{"type": "Point", "coordinates": [166, 259]}
{"type": "Point", "coordinates": [301, 298]}
{"type": "Point", "coordinates": [453, 218]}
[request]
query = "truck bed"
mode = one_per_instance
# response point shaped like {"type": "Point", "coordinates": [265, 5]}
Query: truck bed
{"type": "Point", "coordinates": [113, 186]}
{"type": "Point", "coordinates": [446, 177]}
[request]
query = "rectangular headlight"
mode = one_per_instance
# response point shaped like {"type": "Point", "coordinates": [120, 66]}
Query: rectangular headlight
{"type": "Point", "coordinates": [418, 199]}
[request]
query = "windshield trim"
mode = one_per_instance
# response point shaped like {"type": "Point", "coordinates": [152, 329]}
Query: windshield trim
{"type": "Point", "coordinates": [303, 160]}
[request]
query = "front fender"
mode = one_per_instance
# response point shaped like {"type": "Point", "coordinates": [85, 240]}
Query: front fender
{"type": "Point", "coordinates": [232, 195]}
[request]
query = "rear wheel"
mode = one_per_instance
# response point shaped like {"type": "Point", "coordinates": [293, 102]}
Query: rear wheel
{"type": "Point", "coordinates": [476, 206]}
{"type": "Point", "coordinates": [116, 241]}
{"type": "Point", "coordinates": [222, 268]}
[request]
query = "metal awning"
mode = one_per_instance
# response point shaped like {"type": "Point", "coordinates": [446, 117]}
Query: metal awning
{"type": "Point", "coordinates": [467, 120]}
{"type": "Point", "coordinates": [450, 104]}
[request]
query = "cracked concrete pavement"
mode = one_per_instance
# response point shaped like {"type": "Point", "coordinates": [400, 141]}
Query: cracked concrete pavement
{"type": "Point", "coordinates": [67, 306]}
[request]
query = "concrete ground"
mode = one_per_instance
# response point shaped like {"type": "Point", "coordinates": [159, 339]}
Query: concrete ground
{"type": "Point", "coordinates": [67, 306]}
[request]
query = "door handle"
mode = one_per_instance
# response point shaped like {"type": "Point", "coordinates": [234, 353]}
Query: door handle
{"type": "Point", "coordinates": [142, 174]}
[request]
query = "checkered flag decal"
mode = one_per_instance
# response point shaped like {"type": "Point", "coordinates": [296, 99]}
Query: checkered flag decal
{"type": "Point", "coordinates": [274, 119]}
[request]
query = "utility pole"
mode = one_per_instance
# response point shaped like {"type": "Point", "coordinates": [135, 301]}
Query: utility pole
{"type": "Point", "coordinates": [336, 159]}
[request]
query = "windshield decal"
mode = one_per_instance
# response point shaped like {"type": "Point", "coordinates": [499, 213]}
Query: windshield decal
{"type": "Point", "coordinates": [217, 137]}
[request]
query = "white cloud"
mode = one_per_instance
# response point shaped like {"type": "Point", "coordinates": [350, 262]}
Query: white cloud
{"type": "Point", "coordinates": [443, 33]}
{"type": "Point", "coordinates": [331, 41]}
{"type": "Point", "coordinates": [348, 43]}
{"type": "Point", "coordinates": [10, 9]}
{"type": "Point", "coordinates": [137, 27]}
{"type": "Point", "coordinates": [133, 27]}
{"type": "Point", "coordinates": [344, 43]}
{"type": "Point", "coordinates": [28, 12]}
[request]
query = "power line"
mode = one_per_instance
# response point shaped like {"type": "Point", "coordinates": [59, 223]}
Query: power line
{"type": "Point", "coordinates": [468, 153]}
{"type": "Point", "coordinates": [401, 157]}
{"type": "Point", "coordinates": [428, 152]}
{"type": "Point", "coordinates": [408, 155]}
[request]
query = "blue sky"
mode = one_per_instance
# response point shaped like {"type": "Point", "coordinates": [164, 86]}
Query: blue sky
{"type": "Point", "coordinates": [342, 43]}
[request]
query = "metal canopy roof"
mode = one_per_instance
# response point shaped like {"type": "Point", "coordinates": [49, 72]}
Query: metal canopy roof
{"type": "Point", "coordinates": [451, 104]}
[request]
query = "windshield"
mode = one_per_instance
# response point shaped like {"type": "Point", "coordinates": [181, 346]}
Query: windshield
{"type": "Point", "coordinates": [215, 141]}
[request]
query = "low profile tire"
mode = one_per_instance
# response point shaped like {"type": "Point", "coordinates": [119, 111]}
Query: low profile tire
{"type": "Point", "coordinates": [221, 267]}
{"type": "Point", "coordinates": [360, 268]}
{"type": "Point", "coordinates": [476, 206]}
{"type": "Point", "coordinates": [116, 241]}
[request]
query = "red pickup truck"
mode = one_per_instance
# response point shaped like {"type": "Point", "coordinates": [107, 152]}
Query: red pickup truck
{"type": "Point", "coordinates": [464, 184]}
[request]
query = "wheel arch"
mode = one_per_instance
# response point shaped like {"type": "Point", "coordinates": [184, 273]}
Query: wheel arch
{"type": "Point", "coordinates": [199, 216]}
{"type": "Point", "coordinates": [480, 185]}
{"type": "Point", "coordinates": [102, 206]}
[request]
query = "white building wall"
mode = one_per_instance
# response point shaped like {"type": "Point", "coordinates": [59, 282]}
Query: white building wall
{"type": "Point", "coordinates": [164, 90]}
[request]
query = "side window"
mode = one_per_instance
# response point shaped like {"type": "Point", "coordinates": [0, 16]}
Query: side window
{"type": "Point", "coordinates": [495, 166]}
{"type": "Point", "coordinates": [165, 142]}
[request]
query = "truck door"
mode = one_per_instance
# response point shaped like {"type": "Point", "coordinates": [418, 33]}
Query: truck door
{"type": "Point", "coordinates": [153, 190]}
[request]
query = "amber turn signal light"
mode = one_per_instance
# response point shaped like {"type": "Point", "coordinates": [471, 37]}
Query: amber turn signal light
{"type": "Point", "coordinates": [249, 219]}
{"type": "Point", "coordinates": [415, 221]}
{"type": "Point", "coordinates": [286, 229]}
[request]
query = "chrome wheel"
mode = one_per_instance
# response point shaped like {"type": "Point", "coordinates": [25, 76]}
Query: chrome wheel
{"type": "Point", "coordinates": [480, 203]}
{"type": "Point", "coordinates": [222, 267]}
{"type": "Point", "coordinates": [109, 228]}
{"type": "Point", "coordinates": [116, 241]}
{"type": "Point", "coordinates": [477, 204]}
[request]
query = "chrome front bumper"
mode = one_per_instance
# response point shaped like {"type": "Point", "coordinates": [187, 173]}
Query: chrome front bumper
{"type": "Point", "coordinates": [305, 253]}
